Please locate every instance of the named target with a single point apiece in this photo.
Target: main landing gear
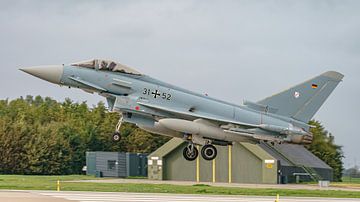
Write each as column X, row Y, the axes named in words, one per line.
column 116, row 137
column 190, row 152
column 208, row 152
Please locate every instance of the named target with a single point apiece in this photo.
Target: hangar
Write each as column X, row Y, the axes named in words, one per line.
column 239, row 163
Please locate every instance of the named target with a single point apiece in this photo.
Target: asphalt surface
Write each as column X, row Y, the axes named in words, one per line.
column 27, row 196
column 66, row 196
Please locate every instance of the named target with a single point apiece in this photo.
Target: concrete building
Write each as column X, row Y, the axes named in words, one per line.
column 239, row 163
column 116, row 164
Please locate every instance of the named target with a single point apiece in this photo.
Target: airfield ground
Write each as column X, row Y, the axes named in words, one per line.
column 67, row 196
column 91, row 184
column 343, row 186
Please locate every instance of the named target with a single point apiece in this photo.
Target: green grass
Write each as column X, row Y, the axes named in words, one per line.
column 34, row 182
column 23, row 182
column 351, row 180
column 347, row 183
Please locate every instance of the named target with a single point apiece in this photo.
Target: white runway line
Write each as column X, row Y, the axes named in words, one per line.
column 154, row 197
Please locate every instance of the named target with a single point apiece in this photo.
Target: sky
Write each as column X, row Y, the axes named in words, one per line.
column 231, row 50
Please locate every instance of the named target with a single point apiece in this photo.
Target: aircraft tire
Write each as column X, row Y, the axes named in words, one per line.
column 208, row 152
column 116, row 137
column 190, row 156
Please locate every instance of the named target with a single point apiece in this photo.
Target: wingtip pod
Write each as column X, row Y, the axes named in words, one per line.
column 337, row 76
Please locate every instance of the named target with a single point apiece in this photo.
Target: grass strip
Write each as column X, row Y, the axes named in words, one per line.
column 24, row 182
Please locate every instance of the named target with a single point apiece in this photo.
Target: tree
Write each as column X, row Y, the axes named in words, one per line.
column 324, row 147
column 353, row 172
column 42, row 136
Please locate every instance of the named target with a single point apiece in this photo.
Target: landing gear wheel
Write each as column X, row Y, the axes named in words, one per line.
column 190, row 152
column 116, row 137
column 208, row 152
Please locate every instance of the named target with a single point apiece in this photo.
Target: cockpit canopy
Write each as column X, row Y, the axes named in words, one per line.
column 106, row 65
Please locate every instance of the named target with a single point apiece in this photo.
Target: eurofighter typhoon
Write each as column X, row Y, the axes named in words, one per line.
column 165, row 109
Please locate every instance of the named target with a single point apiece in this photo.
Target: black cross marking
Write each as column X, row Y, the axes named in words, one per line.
column 156, row 93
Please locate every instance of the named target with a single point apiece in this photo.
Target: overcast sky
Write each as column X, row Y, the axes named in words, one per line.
column 232, row 50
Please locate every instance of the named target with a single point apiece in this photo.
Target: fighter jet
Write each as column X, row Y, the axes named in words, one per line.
column 165, row 109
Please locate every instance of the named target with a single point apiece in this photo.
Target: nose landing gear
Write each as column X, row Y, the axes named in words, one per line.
column 116, row 137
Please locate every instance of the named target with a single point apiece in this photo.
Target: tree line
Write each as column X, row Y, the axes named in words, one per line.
column 43, row 136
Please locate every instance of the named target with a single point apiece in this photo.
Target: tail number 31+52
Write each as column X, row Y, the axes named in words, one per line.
column 157, row 94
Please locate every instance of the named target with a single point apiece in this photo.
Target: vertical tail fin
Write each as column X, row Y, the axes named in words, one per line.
column 302, row 101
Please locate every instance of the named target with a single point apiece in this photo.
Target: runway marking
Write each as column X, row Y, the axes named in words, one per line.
column 154, row 197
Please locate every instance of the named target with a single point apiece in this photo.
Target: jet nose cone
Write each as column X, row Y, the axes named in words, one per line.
column 51, row 73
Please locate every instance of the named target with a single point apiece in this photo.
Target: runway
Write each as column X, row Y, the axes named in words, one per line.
column 66, row 196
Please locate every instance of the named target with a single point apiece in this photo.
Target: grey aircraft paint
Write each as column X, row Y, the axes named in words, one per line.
column 165, row 109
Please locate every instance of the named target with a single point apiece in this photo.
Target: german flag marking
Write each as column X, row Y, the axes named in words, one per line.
column 314, row 86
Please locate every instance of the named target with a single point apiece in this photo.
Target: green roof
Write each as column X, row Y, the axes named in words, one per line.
column 176, row 142
column 167, row 147
column 257, row 151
